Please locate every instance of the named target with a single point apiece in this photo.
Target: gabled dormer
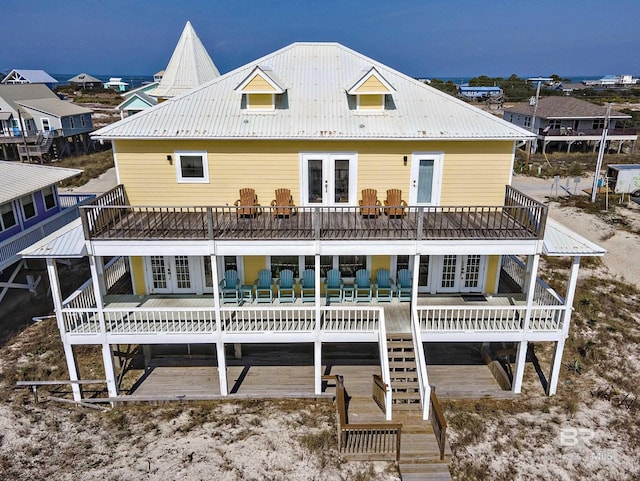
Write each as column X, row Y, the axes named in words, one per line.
column 260, row 90
column 370, row 91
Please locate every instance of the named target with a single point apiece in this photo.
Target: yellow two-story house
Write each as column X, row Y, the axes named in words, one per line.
column 315, row 196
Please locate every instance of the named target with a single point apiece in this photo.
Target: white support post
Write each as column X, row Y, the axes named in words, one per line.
column 222, row 368
column 556, row 364
column 414, row 281
column 100, row 271
column 97, row 292
column 56, row 294
column 109, row 370
column 316, row 265
column 317, row 365
column 521, row 358
column 527, row 285
column 530, row 280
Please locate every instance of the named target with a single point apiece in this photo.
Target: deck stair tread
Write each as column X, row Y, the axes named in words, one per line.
column 403, row 370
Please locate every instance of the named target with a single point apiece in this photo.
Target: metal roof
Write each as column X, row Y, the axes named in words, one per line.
column 30, row 76
column 83, row 78
column 14, row 93
column 66, row 242
column 562, row 241
column 315, row 106
column 55, row 107
column 18, row 179
column 190, row 66
column 565, row 108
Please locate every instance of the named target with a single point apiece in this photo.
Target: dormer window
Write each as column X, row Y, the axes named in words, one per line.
column 370, row 91
column 260, row 90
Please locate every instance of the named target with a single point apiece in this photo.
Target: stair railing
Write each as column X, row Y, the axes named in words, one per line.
column 384, row 365
column 371, row 441
column 379, row 392
column 438, row 422
column 421, row 364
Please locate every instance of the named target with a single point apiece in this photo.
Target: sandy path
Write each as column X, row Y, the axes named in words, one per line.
column 623, row 253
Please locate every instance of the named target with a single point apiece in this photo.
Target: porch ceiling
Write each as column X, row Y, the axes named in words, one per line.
column 562, row 241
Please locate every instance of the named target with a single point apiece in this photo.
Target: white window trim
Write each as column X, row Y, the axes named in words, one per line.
column 83, row 121
column 370, row 110
column 42, row 120
column 327, row 157
column 35, row 208
column 55, row 199
column 15, row 219
column 191, row 180
column 251, row 108
column 436, row 181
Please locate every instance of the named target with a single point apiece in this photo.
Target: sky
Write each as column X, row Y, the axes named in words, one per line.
column 421, row 38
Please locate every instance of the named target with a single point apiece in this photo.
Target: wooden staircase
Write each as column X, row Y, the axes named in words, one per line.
column 419, row 451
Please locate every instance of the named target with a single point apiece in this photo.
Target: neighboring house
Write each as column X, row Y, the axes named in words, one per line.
column 190, row 65
column 567, row 121
column 157, row 77
column 478, row 92
column 22, row 77
column 612, row 81
column 30, row 209
column 85, row 81
column 116, row 83
column 328, row 124
column 137, row 100
column 35, row 123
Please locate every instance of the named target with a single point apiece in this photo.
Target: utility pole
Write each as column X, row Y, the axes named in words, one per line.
column 535, row 110
column 603, row 142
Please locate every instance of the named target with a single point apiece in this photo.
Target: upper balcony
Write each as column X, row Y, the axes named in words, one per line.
column 109, row 217
column 568, row 133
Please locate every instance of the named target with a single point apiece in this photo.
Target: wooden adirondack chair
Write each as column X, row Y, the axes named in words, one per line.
column 247, row 203
column 308, row 286
column 264, row 286
column 363, row 288
column 286, row 291
column 394, row 205
column 404, row 282
column 384, row 285
column 369, row 204
column 283, row 205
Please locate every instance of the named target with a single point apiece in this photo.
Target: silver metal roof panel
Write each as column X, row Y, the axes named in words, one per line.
column 66, row 242
column 562, row 241
column 18, row 179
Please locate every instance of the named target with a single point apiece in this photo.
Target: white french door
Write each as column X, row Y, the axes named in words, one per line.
column 461, row 273
column 171, row 275
column 426, row 178
column 329, row 179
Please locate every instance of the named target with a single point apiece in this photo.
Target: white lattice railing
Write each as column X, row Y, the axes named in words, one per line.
column 350, row 318
column 84, row 297
column 421, row 366
column 114, row 270
column 498, row 319
column 384, row 364
column 543, row 294
column 160, row 320
column 81, row 321
column 274, row 319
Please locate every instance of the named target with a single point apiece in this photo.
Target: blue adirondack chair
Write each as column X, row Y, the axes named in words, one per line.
column 384, row 286
column 286, row 288
column 308, row 286
column 333, row 286
column 230, row 287
column 363, row 287
column 405, row 279
column 264, row 286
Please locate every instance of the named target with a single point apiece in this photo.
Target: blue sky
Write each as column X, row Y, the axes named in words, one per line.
column 422, row 38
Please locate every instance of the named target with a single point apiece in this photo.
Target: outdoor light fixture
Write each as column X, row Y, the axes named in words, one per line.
column 170, row 160
column 404, row 160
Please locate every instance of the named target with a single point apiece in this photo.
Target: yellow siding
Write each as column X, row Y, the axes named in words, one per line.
column 371, row 102
column 260, row 102
column 474, row 173
column 372, row 84
column 379, row 262
column 258, row 84
column 137, row 272
column 253, row 265
column 493, row 263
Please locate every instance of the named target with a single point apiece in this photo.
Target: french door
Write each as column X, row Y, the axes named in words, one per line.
column 329, row 179
column 170, row 274
column 461, row 273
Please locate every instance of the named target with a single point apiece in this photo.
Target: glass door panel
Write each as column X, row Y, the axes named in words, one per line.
column 425, row 181
column 341, row 181
column 159, row 274
column 473, row 273
column 449, row 274
column 315, row 181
